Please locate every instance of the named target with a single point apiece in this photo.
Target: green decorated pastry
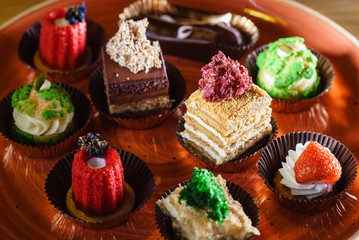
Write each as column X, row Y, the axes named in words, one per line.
column 203, row 192
column 287, row 70
column 43, row 112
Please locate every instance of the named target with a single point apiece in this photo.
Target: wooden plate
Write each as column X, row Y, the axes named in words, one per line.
column 26, row 213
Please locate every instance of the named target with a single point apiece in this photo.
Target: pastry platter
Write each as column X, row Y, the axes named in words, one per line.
column 26, row 213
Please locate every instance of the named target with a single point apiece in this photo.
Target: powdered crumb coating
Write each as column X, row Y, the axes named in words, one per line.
column 130, row 47
column 232, row 110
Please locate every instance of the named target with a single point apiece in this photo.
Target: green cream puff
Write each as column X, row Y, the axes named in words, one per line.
column 287, row 70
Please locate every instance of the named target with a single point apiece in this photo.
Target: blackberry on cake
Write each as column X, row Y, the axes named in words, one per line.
column 135, row 77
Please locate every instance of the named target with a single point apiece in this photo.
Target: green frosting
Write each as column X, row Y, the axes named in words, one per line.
column 203, row 192
column 287, row 70
column 57, row 98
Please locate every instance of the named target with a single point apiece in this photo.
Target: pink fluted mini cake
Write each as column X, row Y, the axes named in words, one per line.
column 98, row 189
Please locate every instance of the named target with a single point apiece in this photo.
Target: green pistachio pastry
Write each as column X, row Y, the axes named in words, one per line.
column 42, row 112
column 287, row 70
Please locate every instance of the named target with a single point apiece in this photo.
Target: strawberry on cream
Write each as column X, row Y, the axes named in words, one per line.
column 316, row 186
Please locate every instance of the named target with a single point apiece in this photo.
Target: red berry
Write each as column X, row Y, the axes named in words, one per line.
column 317, row 165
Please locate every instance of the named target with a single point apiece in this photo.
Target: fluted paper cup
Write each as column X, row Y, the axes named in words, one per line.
column 326, row 74
column 275, row 153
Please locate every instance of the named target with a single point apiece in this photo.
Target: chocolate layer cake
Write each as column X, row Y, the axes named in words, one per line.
column 135, row 76
column 141, row 94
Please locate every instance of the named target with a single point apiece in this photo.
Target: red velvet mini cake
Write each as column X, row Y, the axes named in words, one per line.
column 98, row 184
column 63, row 38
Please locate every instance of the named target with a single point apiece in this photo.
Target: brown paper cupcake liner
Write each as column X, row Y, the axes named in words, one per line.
column 164, row 222
column 187, row 48
column 29, row 44
column 136, row 173
column 242, row 162
column 326, row 74
column 83, row 113
column 275, row 153
column 177, row 92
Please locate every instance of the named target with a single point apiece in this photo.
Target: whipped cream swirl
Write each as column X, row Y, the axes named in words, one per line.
column 310, row 191
column 38, row 127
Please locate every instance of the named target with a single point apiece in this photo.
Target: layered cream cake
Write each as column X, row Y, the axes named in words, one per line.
column 134, row 72
column 228, row 113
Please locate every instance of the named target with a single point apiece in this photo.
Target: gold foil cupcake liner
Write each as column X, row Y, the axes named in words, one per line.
column 29, row 44
column 250, row 156
column 326, row 74
column 275, row 153
column 177, row 92
column 82, row 116
column 164, row 222
column 136, row 174
column 191, row 49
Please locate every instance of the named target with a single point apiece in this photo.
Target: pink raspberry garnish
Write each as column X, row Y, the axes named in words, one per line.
column 222, row 78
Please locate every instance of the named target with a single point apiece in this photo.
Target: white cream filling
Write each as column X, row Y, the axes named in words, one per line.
column 310, row 191
column 206, row 126
column 216, row 152
column 37, row 127
column 62, row 22
column 225, row 140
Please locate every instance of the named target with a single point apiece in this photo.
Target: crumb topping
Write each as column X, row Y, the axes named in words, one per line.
column 203, row 192
column 223, row 78
column 232, row 110
column 130, row 48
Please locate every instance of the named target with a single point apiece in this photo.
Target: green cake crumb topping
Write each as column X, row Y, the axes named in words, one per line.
column 54, row 104
column 203, row 192
column 287, row 69
column 21, row 94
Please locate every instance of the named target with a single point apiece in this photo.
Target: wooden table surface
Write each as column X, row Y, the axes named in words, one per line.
column 343, row 12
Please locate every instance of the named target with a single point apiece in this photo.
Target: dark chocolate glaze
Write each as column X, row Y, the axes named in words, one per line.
column 224, row 34
column 122, row 85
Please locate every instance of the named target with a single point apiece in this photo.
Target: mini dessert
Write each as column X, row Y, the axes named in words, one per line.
column 134, row 71
column 192, row 33
column 98, row 190
column 309, row 172
column 228, row 114
column 214, row 29
column 43, row 113
column 204, row 209
column 287, row 70
column 62, row 44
